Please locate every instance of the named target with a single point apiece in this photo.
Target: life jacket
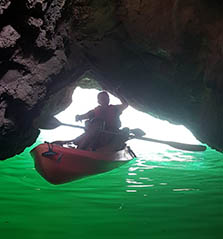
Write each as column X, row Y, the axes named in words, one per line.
column 110, row 116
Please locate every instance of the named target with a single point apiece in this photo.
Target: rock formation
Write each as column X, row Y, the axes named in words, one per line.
column 165, row 57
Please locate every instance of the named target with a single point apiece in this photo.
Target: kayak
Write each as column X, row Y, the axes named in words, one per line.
column 58, row 164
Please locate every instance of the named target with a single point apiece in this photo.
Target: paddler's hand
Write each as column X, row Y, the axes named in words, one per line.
column 78, row 118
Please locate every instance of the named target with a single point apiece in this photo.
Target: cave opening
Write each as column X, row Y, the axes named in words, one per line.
column 85, row 98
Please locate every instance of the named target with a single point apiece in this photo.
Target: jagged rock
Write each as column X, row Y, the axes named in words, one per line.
column 165, row 57
column 4, row 4
column 32, row 4
column 35, row 22
column 8, row 37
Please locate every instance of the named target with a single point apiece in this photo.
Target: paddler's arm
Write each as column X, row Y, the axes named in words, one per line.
column 88, row 115
column 124, row 102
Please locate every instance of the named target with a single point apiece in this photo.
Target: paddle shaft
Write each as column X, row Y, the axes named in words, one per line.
column 72, row 125
column 181, row 146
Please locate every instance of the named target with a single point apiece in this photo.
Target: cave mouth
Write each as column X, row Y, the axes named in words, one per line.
column 84, row 98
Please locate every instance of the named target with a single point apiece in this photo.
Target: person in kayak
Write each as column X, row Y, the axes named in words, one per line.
column 105, row 117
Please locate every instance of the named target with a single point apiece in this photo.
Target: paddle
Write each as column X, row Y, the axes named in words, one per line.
column 137, row 134
column 188, row 147
column 54, row 123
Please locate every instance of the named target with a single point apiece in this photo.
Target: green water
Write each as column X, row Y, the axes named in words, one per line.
column 161, row 194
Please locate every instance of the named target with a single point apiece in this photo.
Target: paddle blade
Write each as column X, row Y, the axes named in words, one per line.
column 51, row 123
column 188, row 147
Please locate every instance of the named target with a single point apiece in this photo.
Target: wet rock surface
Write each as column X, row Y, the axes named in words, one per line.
column 165, row 57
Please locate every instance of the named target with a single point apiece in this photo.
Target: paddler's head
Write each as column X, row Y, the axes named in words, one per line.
column 103, row 98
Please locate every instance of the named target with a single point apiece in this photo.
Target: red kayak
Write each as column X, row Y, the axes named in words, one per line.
column 59, row 164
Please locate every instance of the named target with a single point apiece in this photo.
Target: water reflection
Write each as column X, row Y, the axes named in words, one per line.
column 184, row 189
column 150, row 168
column 134, row 181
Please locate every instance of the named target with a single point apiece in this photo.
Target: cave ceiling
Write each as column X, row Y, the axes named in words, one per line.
column 164, row 57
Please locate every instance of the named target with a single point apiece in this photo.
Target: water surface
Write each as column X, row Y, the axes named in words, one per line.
column 161, row 194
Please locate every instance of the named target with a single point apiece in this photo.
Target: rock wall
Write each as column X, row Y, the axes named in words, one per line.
column 37, row 69
column 165, row 57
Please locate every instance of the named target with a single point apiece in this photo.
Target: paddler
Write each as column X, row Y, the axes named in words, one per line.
column 105, row 117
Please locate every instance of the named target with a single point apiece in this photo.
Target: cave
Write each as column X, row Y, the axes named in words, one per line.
column 164, row 57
